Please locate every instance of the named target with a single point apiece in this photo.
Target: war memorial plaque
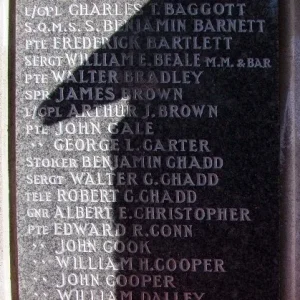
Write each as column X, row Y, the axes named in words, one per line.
column 147, row 147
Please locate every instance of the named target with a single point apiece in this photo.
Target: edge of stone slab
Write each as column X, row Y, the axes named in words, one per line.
column 5, row 281
column 289, row 27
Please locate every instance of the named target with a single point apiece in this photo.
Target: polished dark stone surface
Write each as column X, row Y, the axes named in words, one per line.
column 239, row 127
